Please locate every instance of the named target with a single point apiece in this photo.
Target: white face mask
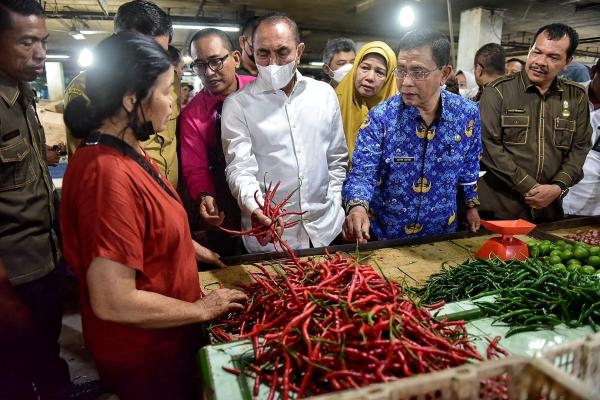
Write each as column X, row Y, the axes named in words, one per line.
column 276, row 76
column 468, row 93
column 341, row 72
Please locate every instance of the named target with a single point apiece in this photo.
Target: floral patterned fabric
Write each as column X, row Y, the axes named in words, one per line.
column 408, row 173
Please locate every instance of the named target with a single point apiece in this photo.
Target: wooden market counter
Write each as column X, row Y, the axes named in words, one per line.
column 399, row 260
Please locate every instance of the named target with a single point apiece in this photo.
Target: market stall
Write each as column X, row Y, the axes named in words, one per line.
column 408, row 263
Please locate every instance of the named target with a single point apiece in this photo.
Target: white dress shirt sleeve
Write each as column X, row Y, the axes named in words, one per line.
column 242, row 168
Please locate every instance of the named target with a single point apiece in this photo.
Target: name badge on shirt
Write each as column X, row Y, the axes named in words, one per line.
column 404, row 159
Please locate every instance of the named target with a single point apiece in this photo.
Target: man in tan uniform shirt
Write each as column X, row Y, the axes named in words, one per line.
column 536, row 133
column 139, row 16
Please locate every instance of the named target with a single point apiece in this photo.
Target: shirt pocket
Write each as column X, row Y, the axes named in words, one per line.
column 16, row 165
column 563, row 132
column 515, row 128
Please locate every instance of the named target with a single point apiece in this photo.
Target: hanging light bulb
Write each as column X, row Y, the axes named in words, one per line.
column 406, row 17
column 86, row 57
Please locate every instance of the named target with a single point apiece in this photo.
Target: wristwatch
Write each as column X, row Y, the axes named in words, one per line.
column 564, row 189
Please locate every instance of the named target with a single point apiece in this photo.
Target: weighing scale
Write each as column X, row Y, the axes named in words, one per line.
column 506, row 247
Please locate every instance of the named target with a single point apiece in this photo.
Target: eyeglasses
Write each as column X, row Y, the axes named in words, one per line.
column 216, row 64
column 415, row 75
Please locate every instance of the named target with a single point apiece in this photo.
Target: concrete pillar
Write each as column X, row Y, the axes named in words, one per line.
column 55, row 79
column 478, row 26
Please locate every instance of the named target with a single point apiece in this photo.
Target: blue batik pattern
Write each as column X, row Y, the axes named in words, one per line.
column 409, row 173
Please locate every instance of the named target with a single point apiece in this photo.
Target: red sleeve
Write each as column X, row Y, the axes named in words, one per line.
column 110, row 214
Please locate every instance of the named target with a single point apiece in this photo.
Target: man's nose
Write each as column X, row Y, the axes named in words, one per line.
column 39, row 51
column 209, row 72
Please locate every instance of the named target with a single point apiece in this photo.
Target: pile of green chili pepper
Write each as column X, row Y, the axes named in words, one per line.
column 529, row 295
column 471, row 278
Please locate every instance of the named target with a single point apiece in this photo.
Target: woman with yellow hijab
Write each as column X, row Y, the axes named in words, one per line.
column 370, row 81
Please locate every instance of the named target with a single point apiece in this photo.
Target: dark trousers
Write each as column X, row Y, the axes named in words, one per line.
column 30, row 363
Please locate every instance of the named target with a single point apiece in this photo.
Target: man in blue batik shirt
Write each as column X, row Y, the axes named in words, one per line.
column 414, row 152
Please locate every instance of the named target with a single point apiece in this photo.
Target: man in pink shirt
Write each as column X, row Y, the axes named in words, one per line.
column 202, row 159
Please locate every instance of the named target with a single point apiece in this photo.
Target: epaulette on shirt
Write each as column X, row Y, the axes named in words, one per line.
column 565, row 81
column 504, row 78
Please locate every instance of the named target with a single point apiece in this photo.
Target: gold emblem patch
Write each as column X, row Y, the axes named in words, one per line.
column 413, row 228
column 422, row 185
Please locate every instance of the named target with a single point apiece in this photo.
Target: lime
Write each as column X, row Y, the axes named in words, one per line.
column 555, row 252
column 559, row 267
column 567, row 247
column 555, row 259
column 573, row 267
column 573, row 261
column 582, row 244
column 594, row 251
column 560, row 243
column 588, row 270
column 566, row 255
column 534, row 251
column 545, row 249
column 580, row 253
column 594, row 261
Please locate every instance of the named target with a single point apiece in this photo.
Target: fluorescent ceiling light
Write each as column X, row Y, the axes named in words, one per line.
column 316, row 63
column 93, row 32
column 77, row 35
column 57, row 56
column 199, row 27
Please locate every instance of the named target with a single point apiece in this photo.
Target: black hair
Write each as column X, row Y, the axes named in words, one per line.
column 249, row 26
column 337, row 45
column 492, row 58
column 439, row 43
column 201, row 34
column 175, row 54
column 274, row 18
column 557, row 31
column 107, row 82
column 21, row 7
column 144, row 17
column 512, row 59
column 452, row 84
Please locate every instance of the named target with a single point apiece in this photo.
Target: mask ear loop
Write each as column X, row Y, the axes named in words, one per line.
column 143, row 131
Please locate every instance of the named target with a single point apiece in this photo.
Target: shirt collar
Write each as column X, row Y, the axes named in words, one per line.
column 445, row 113
column 259, row 87
column 555, row 86
column 9, row 91
column 219, row 97
column 444, row 101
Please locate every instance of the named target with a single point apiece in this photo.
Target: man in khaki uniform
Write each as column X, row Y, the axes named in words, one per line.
column 146, row 18
column 536, row 133
column 32, row 277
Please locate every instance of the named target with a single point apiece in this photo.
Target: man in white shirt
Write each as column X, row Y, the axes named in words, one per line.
column 285, row 127
column 584, row 197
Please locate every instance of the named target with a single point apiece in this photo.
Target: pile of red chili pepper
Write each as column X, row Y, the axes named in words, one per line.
column 275, row 212
column 331, row 323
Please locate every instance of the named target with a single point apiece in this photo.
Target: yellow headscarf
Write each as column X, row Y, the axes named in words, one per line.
column 353, row 107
